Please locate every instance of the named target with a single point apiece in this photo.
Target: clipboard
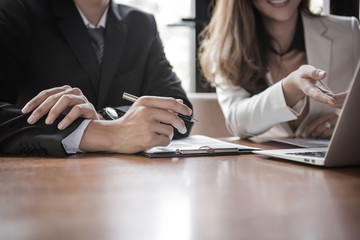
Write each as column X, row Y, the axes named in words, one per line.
column 196, row 146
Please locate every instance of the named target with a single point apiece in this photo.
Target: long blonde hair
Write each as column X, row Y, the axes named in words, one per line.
column 234, row 43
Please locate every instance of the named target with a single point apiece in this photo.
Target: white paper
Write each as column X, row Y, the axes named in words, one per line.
column 196, row 142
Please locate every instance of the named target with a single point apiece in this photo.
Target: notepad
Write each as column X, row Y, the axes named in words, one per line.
column 197, row 145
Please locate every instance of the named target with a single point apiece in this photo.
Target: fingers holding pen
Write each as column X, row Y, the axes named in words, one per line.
column 340, row 99
column 163, row 130
column 322, row 93
column 317, row 94
column 164, row 110
column 314, row 87
column 308, row 81
column 149, row 122
column 166, row 103
column 170, row 118
column 163, row 116
column 141, row 128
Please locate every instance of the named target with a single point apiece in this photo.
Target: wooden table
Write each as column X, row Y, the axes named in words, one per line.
column 114, row 196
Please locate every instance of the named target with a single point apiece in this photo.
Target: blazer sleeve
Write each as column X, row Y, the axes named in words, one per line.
column 247, row 115
column 14, row 32
column 16, row 136
column 160, row 80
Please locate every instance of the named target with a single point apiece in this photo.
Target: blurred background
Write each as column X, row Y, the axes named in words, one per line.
column 180, row 22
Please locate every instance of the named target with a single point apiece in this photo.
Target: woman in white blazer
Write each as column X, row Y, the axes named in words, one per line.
column 279, row 70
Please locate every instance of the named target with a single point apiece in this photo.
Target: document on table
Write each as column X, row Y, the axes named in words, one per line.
column 198, row 145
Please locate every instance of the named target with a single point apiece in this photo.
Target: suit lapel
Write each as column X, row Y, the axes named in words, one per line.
column 318, row 44
column 319, row 52
column 73, row 29
column 115, row 34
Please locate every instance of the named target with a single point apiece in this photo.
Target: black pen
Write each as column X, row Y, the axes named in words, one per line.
column 133, row 98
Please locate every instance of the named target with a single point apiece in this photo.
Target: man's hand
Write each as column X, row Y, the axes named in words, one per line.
column 149, row 122
column 55, row 101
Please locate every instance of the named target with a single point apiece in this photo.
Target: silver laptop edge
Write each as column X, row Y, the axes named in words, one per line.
column 342, row 150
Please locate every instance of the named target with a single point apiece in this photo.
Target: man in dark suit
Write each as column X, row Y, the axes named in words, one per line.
column 46, row 46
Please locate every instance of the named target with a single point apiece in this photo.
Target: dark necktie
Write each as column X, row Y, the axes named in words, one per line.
column 97, row 41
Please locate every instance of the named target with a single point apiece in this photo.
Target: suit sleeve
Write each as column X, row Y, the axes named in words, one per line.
column 16, row 136
column 14, row 32
column 160, row 78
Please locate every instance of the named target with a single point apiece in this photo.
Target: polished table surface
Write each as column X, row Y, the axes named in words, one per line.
column 115, row 196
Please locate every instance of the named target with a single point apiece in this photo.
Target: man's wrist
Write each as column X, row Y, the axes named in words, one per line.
column 71, row 143
column 96, row 137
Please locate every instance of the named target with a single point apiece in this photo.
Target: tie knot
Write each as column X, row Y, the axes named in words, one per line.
column 97, row 40
column 96, row 32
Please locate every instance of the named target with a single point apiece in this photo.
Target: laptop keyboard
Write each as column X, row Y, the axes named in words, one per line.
column 320, row 154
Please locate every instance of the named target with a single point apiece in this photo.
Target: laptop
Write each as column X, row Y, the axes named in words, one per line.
column 344, row 143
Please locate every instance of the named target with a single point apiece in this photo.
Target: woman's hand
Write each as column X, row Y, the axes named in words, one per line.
column 55, row 101
column 323, row 127
column 340, row 99
column 307, row 81
column 149, row 122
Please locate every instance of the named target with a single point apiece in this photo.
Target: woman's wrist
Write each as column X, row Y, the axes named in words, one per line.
column 292, row 93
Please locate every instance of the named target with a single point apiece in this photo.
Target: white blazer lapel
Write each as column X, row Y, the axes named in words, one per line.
column 318, row 45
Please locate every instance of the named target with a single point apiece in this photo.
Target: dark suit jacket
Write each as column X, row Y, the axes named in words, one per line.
column 45, row 44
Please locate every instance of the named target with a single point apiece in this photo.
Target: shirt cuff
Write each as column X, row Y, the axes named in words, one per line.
column 299, row 107
column 72, row 142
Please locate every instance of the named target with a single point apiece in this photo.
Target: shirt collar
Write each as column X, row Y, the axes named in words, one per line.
column 102, row 22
